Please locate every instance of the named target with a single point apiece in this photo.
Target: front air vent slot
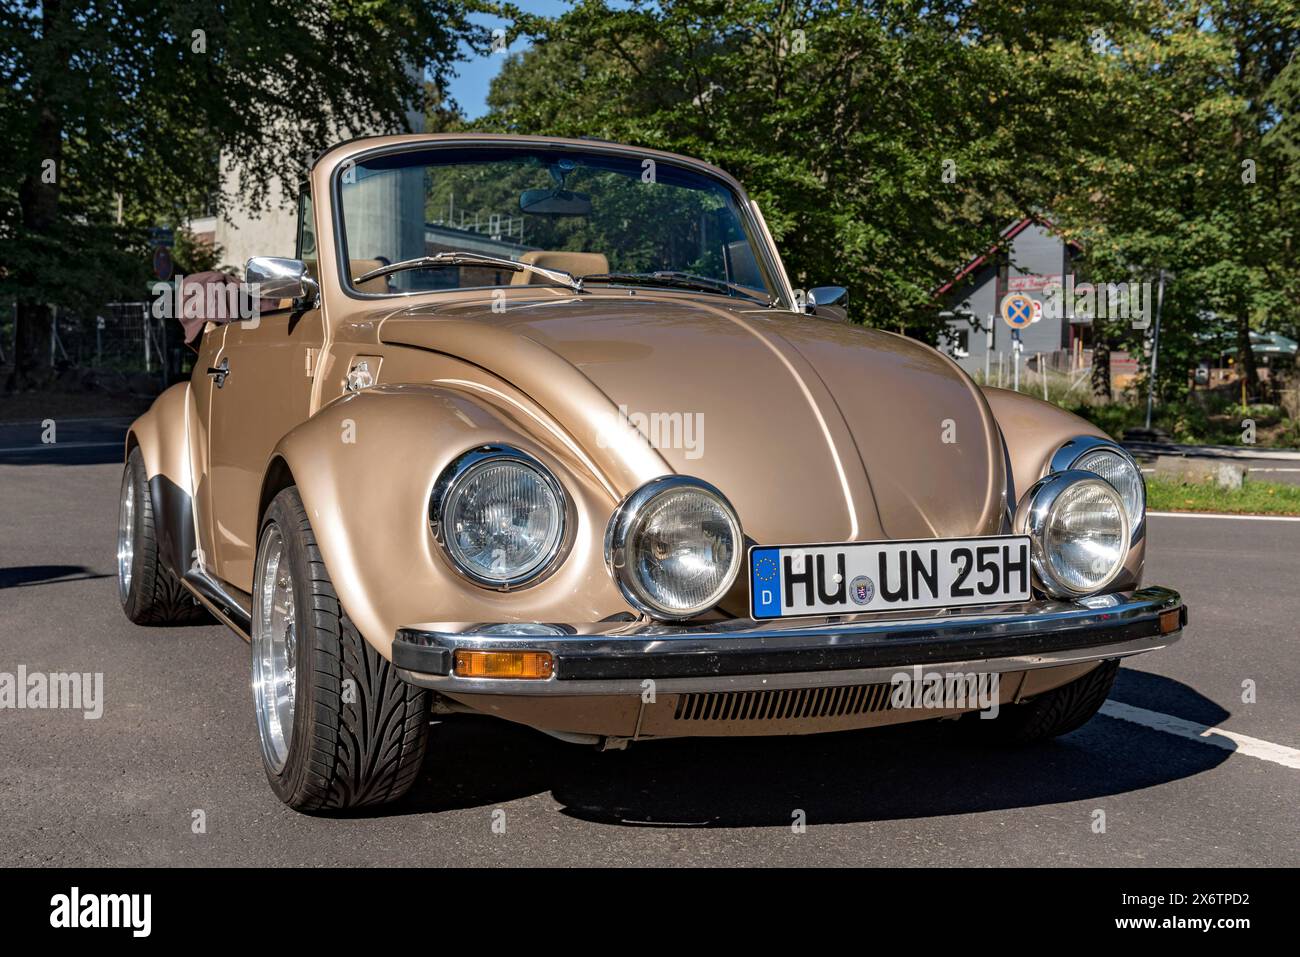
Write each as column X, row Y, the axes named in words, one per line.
column 786, row 704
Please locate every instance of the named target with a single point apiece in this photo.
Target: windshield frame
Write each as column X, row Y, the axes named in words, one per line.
column 755, row 231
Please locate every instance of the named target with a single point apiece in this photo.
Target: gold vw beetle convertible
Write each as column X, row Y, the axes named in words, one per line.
column 540, row 429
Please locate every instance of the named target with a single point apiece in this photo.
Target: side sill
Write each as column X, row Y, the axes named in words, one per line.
column 232, row 606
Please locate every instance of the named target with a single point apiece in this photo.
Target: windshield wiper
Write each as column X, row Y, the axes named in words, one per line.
column 457, row 258
column 676, row 280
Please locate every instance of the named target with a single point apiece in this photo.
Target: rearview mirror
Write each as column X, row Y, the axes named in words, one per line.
column 555, row 202
column 275, row 278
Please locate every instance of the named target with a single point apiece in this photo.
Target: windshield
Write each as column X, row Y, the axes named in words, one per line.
column 616, row 219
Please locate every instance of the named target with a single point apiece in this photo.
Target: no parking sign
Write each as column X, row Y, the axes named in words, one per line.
column 1017, row 310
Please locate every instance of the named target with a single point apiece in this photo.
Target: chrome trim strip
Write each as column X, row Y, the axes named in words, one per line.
column 775, row 682
column 630, row 645
column 230, row 604
column 1010, row 500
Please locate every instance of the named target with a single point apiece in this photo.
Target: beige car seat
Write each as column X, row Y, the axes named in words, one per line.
column 578, row 264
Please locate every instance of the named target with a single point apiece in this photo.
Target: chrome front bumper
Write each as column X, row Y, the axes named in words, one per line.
column 618, row 657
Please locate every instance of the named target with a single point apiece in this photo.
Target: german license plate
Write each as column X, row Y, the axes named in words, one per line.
column 790, row 580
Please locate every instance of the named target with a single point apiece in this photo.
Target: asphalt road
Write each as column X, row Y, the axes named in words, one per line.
column 177, row 737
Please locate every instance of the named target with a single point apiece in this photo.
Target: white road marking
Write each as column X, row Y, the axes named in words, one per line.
column 1218, row 737
column 1244, row 518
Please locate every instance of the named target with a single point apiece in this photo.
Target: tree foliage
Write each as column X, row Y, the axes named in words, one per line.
column 1194, row 174
column 117, row 113
column 889, row 141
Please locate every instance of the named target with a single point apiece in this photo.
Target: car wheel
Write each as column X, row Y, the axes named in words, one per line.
column 1056, row 712
column 150, row 594
column 339, row 729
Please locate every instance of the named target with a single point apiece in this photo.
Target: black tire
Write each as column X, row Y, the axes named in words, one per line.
column 1056, row 712
column 348, row 747
column 150, row 593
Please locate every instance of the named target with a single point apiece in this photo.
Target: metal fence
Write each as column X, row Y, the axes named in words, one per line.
column 125, row 337
column 121, row 337
column 1060, row 376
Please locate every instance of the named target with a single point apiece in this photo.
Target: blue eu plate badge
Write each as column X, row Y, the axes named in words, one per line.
column 765, row 581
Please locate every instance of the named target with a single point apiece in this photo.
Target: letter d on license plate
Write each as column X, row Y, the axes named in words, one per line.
column 789, row 580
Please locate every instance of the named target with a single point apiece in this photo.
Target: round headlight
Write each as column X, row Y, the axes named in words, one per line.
column 674, row 547
column 1091, row 454
column 499, row 514
column 1080, row 532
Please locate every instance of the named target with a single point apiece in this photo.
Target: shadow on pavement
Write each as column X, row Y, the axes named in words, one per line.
column 923, row 770
column 20, row 576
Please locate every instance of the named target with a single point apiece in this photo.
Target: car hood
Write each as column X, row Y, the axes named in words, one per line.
column 817, row 431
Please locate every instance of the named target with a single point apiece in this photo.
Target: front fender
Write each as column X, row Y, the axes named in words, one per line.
column 162, row 436
column 365, row 467
column 1033, row 429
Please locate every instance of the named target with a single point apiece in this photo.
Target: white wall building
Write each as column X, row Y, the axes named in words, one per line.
column 243, row 233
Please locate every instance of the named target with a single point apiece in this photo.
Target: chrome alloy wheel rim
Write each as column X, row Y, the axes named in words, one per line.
column 125, row 536
column 275, row 641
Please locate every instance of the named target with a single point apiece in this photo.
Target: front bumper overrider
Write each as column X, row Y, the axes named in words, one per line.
column 610, row 658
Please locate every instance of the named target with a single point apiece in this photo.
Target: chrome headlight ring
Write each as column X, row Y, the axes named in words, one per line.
column 1037, row 515
column 628, row 522
column 1070, row 454
column 464, row 468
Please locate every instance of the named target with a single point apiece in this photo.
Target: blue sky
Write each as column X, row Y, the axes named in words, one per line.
column 470, row 86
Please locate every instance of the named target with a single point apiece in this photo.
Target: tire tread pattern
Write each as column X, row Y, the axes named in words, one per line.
column 1062, row 709
column 367, row 749
column 157, row 597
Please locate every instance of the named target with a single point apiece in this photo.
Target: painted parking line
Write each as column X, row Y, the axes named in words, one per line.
column 1240, row 518
column 1217, row 737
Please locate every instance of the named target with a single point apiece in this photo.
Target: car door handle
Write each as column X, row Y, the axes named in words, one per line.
column 219, row 372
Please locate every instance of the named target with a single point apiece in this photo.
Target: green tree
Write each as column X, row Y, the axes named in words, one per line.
column 192, row 255
column 115, row 113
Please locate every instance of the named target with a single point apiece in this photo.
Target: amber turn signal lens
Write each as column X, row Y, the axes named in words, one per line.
column 1170, row 620
column 503, row 664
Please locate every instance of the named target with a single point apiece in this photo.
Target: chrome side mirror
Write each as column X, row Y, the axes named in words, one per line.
column 275, row 278
column 829, row 302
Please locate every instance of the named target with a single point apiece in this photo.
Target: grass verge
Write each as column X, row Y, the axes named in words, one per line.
column 1253, row 498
